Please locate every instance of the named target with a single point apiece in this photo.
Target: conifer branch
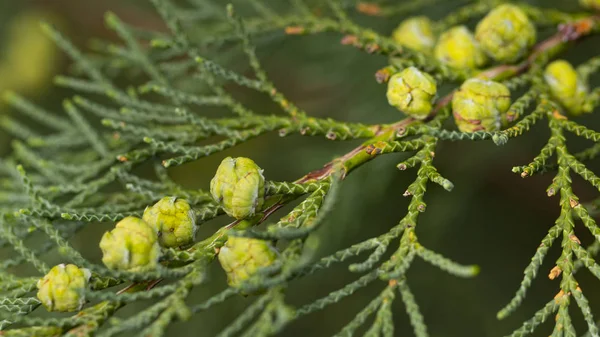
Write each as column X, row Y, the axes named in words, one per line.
column 80, row 174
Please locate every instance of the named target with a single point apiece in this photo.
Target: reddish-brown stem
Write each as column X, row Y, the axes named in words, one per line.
column 358, row 156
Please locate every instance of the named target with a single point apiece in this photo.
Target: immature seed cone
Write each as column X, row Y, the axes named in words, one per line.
column 479, row 105
column 412, row 91
column 567, row 86
column 415, row 33
column 591, row 4
column 29, row 59
column 505, row 33
column 240, row 258
column 132, row 245
column 458, row 48
column 60, row 289
column 173, row 220
column 239, row 186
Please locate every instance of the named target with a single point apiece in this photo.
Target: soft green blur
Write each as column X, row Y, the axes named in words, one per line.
column 492, row 218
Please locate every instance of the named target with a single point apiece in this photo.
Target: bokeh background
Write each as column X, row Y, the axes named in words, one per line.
column 492, row 218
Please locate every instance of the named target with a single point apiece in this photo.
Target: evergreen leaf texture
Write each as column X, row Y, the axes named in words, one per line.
column 85, row 170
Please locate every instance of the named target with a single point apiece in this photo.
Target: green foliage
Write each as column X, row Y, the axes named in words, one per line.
column 80, row 174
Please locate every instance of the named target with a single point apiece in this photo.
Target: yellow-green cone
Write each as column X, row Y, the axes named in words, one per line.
column 60, row 289
column 567, row 86
column 479, row 105
column 415, row 33
column 412, row 91
column 239, row 186
column 590, row 4
column 132, row 245
column 458, row 48
column 506, row 33
column 241, row 257
column 173, row 220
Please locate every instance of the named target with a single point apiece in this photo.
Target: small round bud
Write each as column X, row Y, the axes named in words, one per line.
column 415, row 33
column 458, row 48
column 479, row 105
column 173, row 220
column 240, row 258
column 505, row 33
column 590, row 4
column 412, row 91
column 132, row 245
column 60, row 289
column 239, row 186
column 566, row 86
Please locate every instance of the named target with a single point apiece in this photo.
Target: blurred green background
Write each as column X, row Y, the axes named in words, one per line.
column 492, row 218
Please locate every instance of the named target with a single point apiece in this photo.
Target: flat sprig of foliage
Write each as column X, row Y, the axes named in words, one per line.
column 55, row 185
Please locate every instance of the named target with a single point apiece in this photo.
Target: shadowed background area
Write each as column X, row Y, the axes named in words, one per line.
column 492, row 218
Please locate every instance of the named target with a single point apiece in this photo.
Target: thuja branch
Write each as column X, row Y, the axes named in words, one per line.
column 154, row 237
column 544, row 51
